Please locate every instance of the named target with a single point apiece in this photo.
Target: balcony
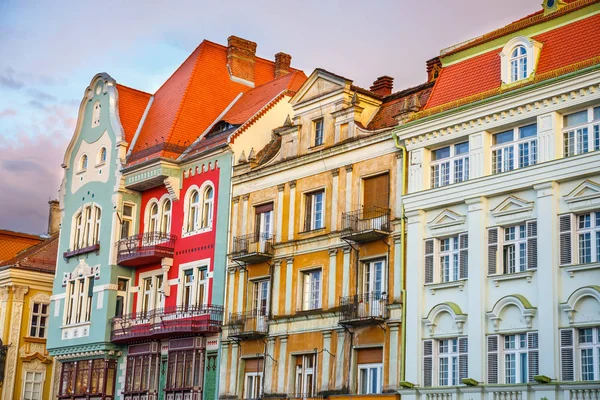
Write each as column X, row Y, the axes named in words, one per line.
column 248, row 325
column 82, row 250
column 363, row 309
column 366, row 225
column 166, row 323
column 145, row 248
column 252, row 248
column 292, row 396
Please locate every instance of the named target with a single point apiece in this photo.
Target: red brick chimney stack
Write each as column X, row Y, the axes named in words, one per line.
column 282, row 64
column 433, row 68
column 383, row 86
column 241, row 57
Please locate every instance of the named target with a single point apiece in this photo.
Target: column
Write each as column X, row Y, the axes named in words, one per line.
column 282, row 360
column 4, row 293
column 346, row 272
column 476, row 307
column 223, row 367
column 399, row 180
column 18, row 296
column 549, row 143
column 414, row 281
column 339, row 359
column 398, row 283
column 275, row 283
column 233, row 370
column 348, row 188
column 279, row 209
column 230, row 290
column 393, row 353
column 244, row 215
column 292, row 210
column 289, row 270
column 332, row 277
column 269, row 365
column 234, row 220
column 335, row 193
column 326, row 359
column 166, row 264
column 241, row 284
column 547, row 278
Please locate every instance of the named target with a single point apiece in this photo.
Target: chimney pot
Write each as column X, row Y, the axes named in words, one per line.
column 383, row 86
column 282, row 64
column 53, row 217
column 241, row 57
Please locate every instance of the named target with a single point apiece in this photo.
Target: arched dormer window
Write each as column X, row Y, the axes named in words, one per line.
column 518, row 59
column 518, row 64
column 102, row 156
column 207, row 209
column 194, row 211
column 83, row 162
column 153, row 218
column 166, row 216
column 86, row 226
column 96, row 114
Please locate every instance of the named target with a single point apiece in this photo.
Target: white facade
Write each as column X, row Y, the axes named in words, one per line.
column 505, row 289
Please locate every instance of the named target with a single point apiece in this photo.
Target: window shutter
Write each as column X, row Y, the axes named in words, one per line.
column 376, row 192
column 531, row 244
column 463, row 359
column 565, row 224
column 567, row 355
column 492, row 251
column 463, row 257
column 429, row 262
column 533, row 355
column 307, row 211
column 428, row 363
column 492, row 359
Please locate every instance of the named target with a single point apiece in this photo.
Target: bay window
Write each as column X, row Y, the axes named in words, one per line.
column 447, row 259
column 450, row 164
column 515, row 148
column 449, row 357
column 513, row 358
column 581, row 132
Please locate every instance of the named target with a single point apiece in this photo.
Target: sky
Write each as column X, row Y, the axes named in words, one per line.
column 49, row 52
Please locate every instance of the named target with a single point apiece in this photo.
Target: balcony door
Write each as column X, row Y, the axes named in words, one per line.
column 373, row 288
column 264, row 226
column 305, row 375
column 376, row 199
column 261, row 304
column 152, row 295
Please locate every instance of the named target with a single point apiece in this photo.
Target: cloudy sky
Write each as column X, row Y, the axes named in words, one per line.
column 49, row 51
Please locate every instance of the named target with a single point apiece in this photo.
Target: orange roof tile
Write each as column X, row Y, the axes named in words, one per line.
column 12, row 243
column 40, row 257
column 394, row 105
column 132, row 104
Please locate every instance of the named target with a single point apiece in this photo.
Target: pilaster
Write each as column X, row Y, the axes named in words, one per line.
column 348, row 188
column 399, row 180
column 234, row 220
column 223, row 368
column 230, row 290
column 240, row 291
column 393, row 369
column 335, row 191
column 331, row 273
column 233, row 370
column 166, row 264
column 346, row 272
column 292, row 203
column 476, row 155
column 18, row 297
column 415, row 171
column 289, row 268
column 244, row 215
column 398, row 283
column 339, row 359
column 279, row 210
column 276, row 282
column 281, row 364
column 326, row 360
column 269, row 365
column 548, row 137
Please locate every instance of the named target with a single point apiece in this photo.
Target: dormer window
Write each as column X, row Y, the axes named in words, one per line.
column 518, row 64
column 518, row 59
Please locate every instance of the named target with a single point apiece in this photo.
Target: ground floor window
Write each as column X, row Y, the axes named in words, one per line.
column 142, row 373
column 370, row 370
column 87, row 377
column 33, row 385
column 185, row 365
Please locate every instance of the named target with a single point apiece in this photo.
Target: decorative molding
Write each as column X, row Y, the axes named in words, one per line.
column 572, row 269
column 447, row 222
column 569, row 307
column 512, row 210
column 517, row 300
column 450, row 308
column 527, row 275
column 584, row 197
column 173, row 185
column 433, row 287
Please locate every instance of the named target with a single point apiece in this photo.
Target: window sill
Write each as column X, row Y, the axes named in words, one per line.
column 460, row 284
column 31, row 339
column 196, row 232
column 528, row 275
column 572, row 269
column 102, row 164
column 317, row 147
column 83, row 250
column 81, row 171
column 76, row 325
column 312, row 231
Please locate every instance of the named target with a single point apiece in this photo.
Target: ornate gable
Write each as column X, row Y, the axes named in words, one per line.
column 513, row 209
column 446, row 223
column 586, row 196
column 318, row 84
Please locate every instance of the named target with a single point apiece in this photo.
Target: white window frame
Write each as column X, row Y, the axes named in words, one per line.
column 371, row 368
column 313, row 209
column 573, row 137
column 258, row 296
column 198, row 215
column 449, row 167
column 593, row 230
column 165, row 224
column 518, row 63
column 102, row 156
column 319, row 134
column 593, row 347
column 449, row 249
column 124, row 294
column 153, row 217
column 127, row 218
column 532, row 49
column 255, row 392
column 207, row 207
column 302, row 373
column 520, row 349
column 512, row 240
column 196, row 282
column 39, row 316
column 194, row 211
column 24, row 394
column 96, row 114
column 78, row 303
column 86, row 224
column 310, row 292
column 155, row 294
column 516, row 148
column 449, row 353
column 369, row 269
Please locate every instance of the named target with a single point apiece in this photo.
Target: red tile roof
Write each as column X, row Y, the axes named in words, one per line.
column 11, row 243
column 563, row 47
column 41, row 257
column 132, row 104
column 396, row 104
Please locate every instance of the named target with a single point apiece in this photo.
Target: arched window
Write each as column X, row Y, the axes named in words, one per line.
column 166, row 216
column 194, row 211
column 102, row 156
column 78, row 231
column 153, row 218
column 83, row 162
column 87, row 227
column 207, row 209
column 96, row 114
column 518, row 63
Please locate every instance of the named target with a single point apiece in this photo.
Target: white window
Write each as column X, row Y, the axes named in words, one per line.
column 207, row 209
column 516, row 148
column 579, row 238
column 194, row 287
column 450, row 164
column 101, row 156
column 153, row 218
column 261, row 298
column 305, row 375
column 518, row 59
column 314, row 217
column 374, row 283
column 318, row 127
column 581, row 132
column 515, row 358
column 445, row 361
column 512, row 249
column 83, row 163
column 518, row 63
column 33, row 385
column 87, row 227
column 39, row 320
column 166, row 216
column 370, row 378
column 152, row 293
column 121, row 306
column 512, row 359
column 200, row 209
column 589, row 353
column 188, row 288
column 96, row 114
column 194, row 211
column 253, row 385
column 126, row 221
column 448, row 362
column 447, row 259
column 311, row 294
column 78, row 306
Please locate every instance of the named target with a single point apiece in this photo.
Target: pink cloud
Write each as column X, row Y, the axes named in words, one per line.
column 8, row 112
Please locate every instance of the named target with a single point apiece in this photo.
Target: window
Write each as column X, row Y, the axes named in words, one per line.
column 518, row 64
column 184, row 369
column 77, row 379
column 376, row 192
column 516, row 148
column 447, row 259
column 318, row 127
column 152, row 293
column 87, row 227
column 252, row 388
column 79, row 300
column 153, row 220
column 96, row 114
column 450, row 164
column 445, row 361
column 263, row 226
column 518, row 248
column 579, row 238
column 126, row 221
column 194, row 214
column 83, row 163
column 589, row 353
column 39, row 320
column 166, row 217
column 314, row 215
column 311, row 294
column 260, row 303
column 142, row 371
column 370, row 370
column 372, row 301
column 200, row 209
column 194, row 287
column 122, row 297
column 581, row 132
column 512, row 359
column 305, row 375
column 102, row 156
column 207, row 210
column 33, row 385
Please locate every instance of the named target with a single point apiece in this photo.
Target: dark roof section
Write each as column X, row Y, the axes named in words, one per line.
column 40, row 258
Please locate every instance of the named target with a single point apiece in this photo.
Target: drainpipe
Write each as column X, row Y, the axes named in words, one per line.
column 403, row 259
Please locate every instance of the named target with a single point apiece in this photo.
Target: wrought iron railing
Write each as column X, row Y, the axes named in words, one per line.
column 294, row 396
column 367, row 219
column 367, row 306
column 254, row 243
column 248, row 323
column 163, row 321
column 145, row 244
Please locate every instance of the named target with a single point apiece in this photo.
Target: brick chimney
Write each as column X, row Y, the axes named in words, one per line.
column 53, row 217
column 282, row 64
column 383, row 86
column 241, row 57
column 433, row 68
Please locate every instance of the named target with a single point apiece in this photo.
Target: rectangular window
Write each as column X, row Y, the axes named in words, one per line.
column 370, row 370
column 142, row 373
column 305, row 382
column 314, row 217
column 33, row 385
column 589, row 353
column 448, row 362
column 447, row 259
column 318, row 127
column 122, row 297
column 516, row 148
column 515, row 249
column 449, row 255
column 183, row 370
column 78, row 305
column 39, row 320
column 75, row 378
column 515, row 358
column 588, row 237
column 127, row 221
column 581, row 132
column 450, row 164
column 263, row 228
column 311, row 294
column 376, row 193
column 253, row 385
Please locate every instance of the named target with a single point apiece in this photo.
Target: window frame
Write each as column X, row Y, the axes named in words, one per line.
column 318, row 134
column 592, row 132
column 83, row 163
column 452, row 253
column 33, row 382
column 86, row 226
column 594, row 346
column 516, row 148
column 518, row 352
column 452, row 166
column 199, row 214
column 77, row 303
column 519, row 244
column 311, row 296
column 129, row 219
column 40, row 314
column 102, row 156
column 520, row 61
column 87, row 365
column 369, row 368
column 301, row 372
column 195, row 284
column 452, row 359
column 256, row 385
column 310, row 210
column 433, row 259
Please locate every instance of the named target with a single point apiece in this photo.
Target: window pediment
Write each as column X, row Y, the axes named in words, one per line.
column 586, row 196
column 446, row 223
column 511, row 210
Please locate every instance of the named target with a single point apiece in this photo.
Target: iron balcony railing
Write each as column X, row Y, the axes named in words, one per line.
column 145, row 245
column 258, row 243
column 164, row 322
column 366, row 219
column 363, row 307
column 290, row 396
column 248, row 324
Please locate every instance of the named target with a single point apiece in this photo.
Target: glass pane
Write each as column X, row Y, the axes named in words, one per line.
column 364, row 381
column 461, row 148
column 597, row 113
column 528, row 131
column 575, row 118
column 504, row 137
column 444, row 152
